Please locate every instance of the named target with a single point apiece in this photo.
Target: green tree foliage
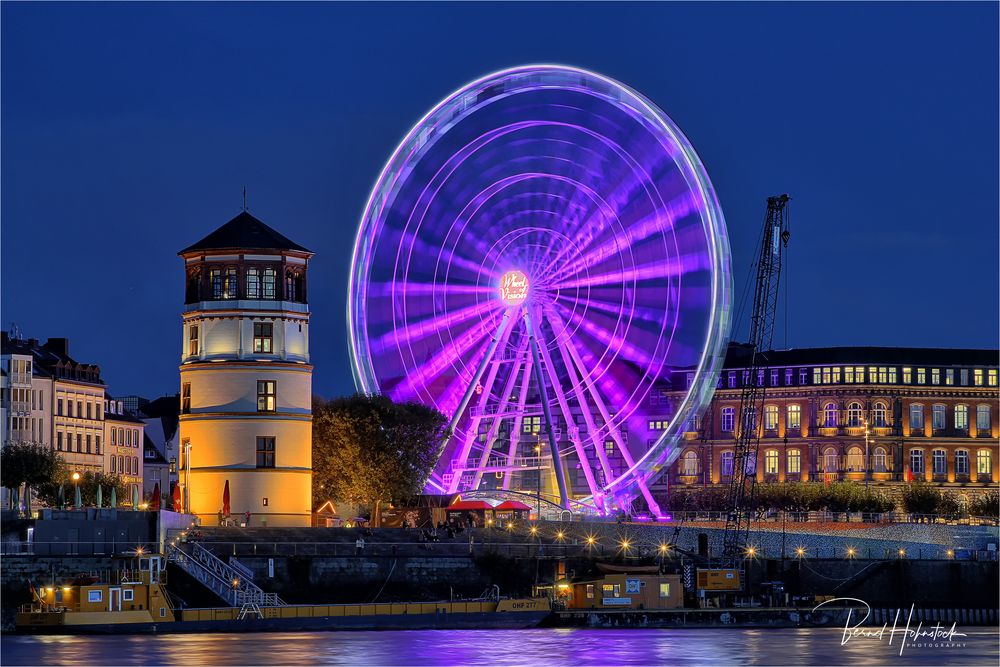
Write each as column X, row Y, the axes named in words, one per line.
column 89, row 481
column 921, row 498
column 986, row 505
column 369, row 449
column 30, row 464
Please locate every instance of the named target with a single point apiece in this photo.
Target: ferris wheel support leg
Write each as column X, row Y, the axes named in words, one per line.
column 547, row 411
column 464, row 403
column 522, row 400
column 495, row 421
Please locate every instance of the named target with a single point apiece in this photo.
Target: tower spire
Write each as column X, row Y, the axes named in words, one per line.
column 244, row 197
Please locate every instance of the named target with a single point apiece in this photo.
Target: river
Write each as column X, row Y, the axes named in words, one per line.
column 676, row 648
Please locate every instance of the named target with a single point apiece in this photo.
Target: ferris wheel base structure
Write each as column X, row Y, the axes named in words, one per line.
column 539, row 259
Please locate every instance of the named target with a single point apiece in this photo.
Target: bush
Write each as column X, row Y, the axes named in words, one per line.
column 986, row 505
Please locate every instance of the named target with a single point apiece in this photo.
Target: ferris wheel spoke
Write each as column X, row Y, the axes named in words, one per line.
column 428, row 327
column 571, row 430
column 485, row 391
column 516, row 431
column 656, row 269
column 613, row 342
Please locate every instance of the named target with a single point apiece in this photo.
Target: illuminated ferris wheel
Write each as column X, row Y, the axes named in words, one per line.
column 541, row 253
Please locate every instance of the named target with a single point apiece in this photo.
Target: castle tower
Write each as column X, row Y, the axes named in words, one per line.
column 246, row 380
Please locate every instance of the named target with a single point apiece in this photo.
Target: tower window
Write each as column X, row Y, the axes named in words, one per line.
column 290, row 286
column 265, row 452
column 215, row 278
column 193, row 347
column 263, row 337
column 266, row 395
column 186, row 398
column 253, row 283
column 229, row 289
column 270, row 278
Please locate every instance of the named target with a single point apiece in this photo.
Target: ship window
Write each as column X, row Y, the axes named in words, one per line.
column 128, row 595
column 163, row 612
column 95, row 596
column 590, row 591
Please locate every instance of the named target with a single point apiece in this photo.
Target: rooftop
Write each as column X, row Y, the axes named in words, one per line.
column 244, row 232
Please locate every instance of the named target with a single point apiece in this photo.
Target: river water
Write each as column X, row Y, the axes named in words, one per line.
column 676, row 648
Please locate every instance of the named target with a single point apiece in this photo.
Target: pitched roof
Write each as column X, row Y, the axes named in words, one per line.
column 244, row 232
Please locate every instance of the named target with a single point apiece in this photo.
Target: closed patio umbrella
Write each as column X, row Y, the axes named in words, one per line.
column 78, row 499
column 114, row 497
column 135, row 497
column 176, row 498
column 61, row 496
column 154, row 501
column 100, row 496
column 226, row 510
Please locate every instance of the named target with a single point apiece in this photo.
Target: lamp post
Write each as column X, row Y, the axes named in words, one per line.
column 538, row 479
column 76, row 489
column 868, row 463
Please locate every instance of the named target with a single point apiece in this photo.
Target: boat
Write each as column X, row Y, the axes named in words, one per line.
column 136, row 600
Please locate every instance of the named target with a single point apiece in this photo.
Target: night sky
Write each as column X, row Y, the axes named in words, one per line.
column 130, row 130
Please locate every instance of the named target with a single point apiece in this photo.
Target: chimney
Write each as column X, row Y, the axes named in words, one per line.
column 58, row 345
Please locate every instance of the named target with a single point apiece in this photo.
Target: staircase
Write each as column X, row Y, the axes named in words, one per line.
column 229, row 583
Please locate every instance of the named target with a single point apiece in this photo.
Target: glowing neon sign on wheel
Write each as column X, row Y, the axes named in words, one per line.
column 539, row 256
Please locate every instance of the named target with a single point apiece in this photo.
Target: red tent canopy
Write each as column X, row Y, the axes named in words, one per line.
column 154, row 501
column 470, row 505
column 511, row 505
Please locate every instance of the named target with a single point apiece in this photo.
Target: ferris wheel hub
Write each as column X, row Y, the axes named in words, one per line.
column 514, row 288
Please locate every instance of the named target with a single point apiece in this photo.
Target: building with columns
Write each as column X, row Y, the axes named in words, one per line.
column 888, row 415
column 246, row 380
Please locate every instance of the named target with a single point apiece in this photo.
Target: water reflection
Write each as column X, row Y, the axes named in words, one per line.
column 674, row 647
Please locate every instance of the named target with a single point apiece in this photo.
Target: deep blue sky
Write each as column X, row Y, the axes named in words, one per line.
column 129, row 131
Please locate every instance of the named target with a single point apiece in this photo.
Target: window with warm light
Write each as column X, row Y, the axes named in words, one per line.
column 664, row 590
column 984, row 462
column 854, row 414
column 991, row 376
column 266, row 395
column 771, row 462
column 793, row 462
column 977, row 377
column 879, row 459
column 770, row 417
column 949, row 376
column 921, row 376
column 690, row 463
column 962, row 417
column 263, row 337
column 849, row 375
column 590, row 591
column 880, row 413
column 193, row 347
column 907, row 375
column 855, row 459
column 794, row 417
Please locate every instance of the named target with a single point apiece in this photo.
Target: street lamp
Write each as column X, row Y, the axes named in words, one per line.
column 868, row 464
column 538, row 479
column 76, row 489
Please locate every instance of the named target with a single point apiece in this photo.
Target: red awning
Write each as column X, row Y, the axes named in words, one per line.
column 511, row 505
column 470, row 505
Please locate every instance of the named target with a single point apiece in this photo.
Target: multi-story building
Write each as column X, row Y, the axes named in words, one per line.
column 246, row 380
column 161, row 452
column 123, row 437
column 878, row 414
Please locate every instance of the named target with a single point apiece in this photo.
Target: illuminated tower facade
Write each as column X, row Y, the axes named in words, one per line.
column 246, row 380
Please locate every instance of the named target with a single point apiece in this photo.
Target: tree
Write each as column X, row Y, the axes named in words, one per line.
column 88, row 483
column 369, row 449
column 28, row 464
column 921, row 498
column 986, row 505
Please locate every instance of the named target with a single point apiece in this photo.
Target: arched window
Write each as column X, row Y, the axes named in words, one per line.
column 728, row 417
column 690, row 463
column 939, row 461
column 917, row 416
column 794, row 417
column 961, row 462
column 878, row 460
column 983, row 419
column 830, row 415
column 855, row 459
column 854, row 414
column 793, row 462
column 880, row 415
column 726, row 464
column 984, row 462
column 770, row 417
column 830, row 462
column 771, row 461
column 962, row 417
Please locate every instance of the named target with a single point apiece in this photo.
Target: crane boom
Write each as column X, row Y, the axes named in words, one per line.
column 741, row 487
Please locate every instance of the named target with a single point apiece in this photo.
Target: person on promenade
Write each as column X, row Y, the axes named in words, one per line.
column 359, row 546
column 246, row 517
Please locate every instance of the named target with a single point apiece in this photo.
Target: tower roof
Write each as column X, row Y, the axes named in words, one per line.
column 244, row 232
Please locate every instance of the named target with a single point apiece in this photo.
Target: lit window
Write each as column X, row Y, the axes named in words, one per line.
column 907, row 375
column 983, row 421
column 938, row 417
column 771, row 417
column 794, row 417
column 880, row 415
column 826, row 376
column 830, row 460
column 836, row 375
column 892, row 375
column 95, row 596
column 962, row 417
column 215, row 279
column 746, row 379
column 921, row 376
column 690, row 464
column 263, row 337
column 270, row 283
column 917, row 461
column 949, row 376
column 665, row 590
column 726, row 464
column 609, row 447
column 883, row 374
column 193, row 348
column 774, row 378
column 977, row 377
column 859, row 374
column 590, row 591
column 185, row 399
column 854, row 412
column 253, row 283
column 793, row 461
column 879, row 459
column 229, row 290
column 830, row 415
column 532, row 425
column 992, row 377
column 916, row 416
column 760, row 378
column 855, row 459
column 173, row 464
column 817, row 375
column 728, row 417
column 849, row 374
column 788, row 377
column 266, row 395
column 939, row 460
column 265, row 452
column 771, row 462
column 984, row 462
column 961, row 462
column 935, row 376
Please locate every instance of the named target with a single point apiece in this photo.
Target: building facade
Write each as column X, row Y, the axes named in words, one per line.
column 887, row 416
column 123, row 438
column 246, row 380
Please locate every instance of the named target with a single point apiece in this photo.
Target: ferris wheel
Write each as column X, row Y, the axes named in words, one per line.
column 542, row 255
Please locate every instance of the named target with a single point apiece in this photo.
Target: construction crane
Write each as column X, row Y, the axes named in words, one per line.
column 774, row 240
